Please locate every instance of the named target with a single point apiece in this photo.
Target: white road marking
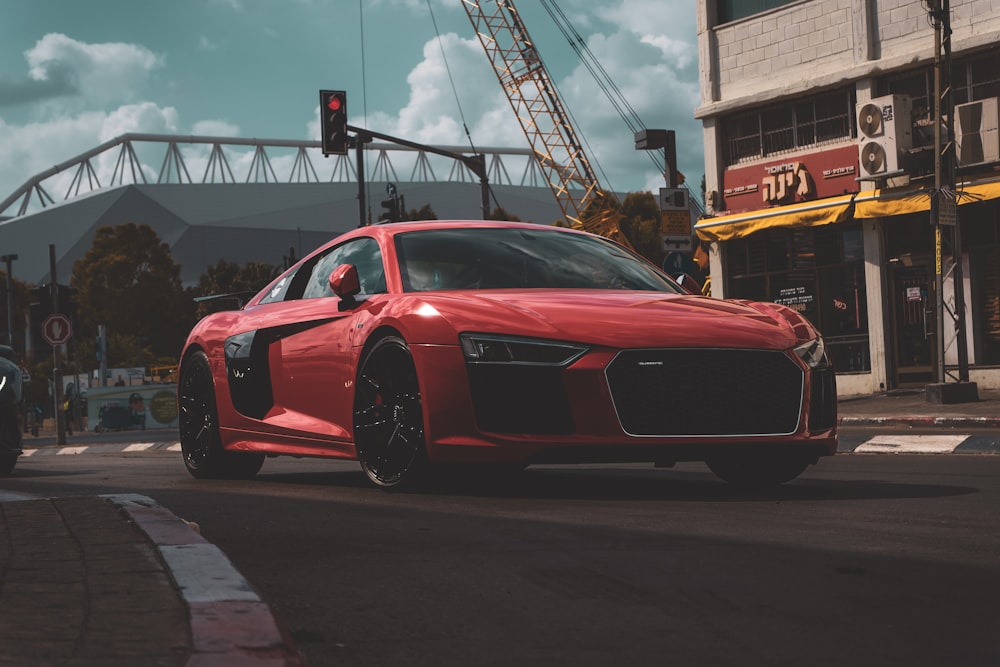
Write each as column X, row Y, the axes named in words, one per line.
column 71, row 451
column 912, row 444
column 139, row 446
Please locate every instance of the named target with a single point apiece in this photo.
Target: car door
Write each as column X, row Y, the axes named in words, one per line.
column 310, row 358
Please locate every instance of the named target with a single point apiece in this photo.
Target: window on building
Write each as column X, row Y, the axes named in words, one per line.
column 732, row 10
column 972, row 79
column 784, row 128
column 816, row 271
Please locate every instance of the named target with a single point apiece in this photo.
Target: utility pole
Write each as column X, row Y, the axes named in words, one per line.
column 10, row 300
column 57, row 377
column 944, row 217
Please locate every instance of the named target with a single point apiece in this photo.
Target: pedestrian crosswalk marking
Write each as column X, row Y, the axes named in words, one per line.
column 72, row 451
column 139, row 446
column 915, row 444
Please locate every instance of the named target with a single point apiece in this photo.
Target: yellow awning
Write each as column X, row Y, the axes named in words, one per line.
column 808, row 214
column 971, row 194
column 879, row 203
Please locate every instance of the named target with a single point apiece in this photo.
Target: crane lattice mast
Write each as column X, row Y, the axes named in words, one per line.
column 536, row 104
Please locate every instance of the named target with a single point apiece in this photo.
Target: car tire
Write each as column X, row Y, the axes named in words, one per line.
column 7, row 463
column 755, row 472
column 201, row 444
column 388, row 416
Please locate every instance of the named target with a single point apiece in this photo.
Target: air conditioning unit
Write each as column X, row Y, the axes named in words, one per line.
column 976, row 138
column 885, row 133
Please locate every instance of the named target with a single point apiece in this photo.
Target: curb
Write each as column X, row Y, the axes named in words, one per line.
column 952, row 422
column 230, row 624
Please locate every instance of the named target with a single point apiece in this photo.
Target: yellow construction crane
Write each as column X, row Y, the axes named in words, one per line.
column 535, row 102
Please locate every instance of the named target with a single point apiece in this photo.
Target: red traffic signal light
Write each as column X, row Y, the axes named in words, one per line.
column 333, row 121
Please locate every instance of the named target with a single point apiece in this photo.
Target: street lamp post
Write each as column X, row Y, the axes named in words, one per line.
column 8, row 259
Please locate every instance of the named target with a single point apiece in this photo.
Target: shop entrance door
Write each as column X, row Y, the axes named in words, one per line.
column 914, row 325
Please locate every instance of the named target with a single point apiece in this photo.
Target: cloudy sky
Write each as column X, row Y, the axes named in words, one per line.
column 74, row 74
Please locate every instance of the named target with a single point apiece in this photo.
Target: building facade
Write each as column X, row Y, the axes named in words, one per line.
column 819, row 124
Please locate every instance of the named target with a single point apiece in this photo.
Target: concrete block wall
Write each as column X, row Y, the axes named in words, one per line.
column 815, row 44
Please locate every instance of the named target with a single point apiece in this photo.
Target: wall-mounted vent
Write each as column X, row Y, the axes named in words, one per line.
column 885, row 132
column 976, row 138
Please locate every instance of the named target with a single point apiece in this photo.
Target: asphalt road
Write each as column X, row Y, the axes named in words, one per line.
column 865, row 560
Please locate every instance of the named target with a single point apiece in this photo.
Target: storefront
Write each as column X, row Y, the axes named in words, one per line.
column 862, row 267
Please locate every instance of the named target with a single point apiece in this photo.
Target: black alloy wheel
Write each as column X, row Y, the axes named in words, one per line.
column 388, row 416
column 201, row 445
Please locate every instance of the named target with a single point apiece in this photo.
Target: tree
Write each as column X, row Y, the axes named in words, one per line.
column 641, row 224
column 500, row 213
column 129, row 282
column 425, row 212
column 228, row 277
column 231, row 278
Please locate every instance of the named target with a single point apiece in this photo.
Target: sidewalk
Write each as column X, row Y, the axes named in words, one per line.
column 119, row 580
column 910, row 408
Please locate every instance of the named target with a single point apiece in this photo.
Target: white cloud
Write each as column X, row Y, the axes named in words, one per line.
column 100, row 73
column 215, row 128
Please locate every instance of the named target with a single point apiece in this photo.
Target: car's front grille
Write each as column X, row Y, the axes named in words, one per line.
column 704, row 392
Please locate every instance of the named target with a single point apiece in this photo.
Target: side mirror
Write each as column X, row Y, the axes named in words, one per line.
column 688, row 284
column 344, row 281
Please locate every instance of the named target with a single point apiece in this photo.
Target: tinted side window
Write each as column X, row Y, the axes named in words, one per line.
column 362, row 253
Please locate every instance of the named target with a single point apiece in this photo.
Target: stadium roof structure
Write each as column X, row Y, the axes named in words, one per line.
column 257, row 216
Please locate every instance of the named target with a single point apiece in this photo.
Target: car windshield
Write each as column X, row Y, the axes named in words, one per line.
column 498, row 258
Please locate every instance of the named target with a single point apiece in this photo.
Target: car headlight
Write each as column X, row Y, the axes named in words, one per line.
column 490, row 349
column 813, row 352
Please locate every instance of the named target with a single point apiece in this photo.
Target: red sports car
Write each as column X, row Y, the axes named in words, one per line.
column 410, row 345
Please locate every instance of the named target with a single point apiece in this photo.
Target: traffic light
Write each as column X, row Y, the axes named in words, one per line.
column 391, row 207
column 333, row 121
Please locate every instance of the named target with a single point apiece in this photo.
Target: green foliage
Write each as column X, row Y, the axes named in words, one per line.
column 129, row 282
column 425, row 212
column 641, row 224
column 500, row 213
column 232, row 278
column 228, row 277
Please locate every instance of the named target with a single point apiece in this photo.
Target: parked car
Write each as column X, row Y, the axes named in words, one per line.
column 411, row 345
column 10, row 410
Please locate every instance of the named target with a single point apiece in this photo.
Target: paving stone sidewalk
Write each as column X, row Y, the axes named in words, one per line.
column 113, row 580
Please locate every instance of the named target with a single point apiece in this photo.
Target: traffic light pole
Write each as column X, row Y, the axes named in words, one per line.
column 57, row 379
column 10, row 299
column 359, row 143
column 475, row 163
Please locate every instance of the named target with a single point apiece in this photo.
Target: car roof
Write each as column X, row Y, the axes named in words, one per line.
column 389, row 229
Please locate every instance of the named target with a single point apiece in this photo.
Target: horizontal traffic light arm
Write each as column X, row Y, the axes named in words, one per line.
column 477, row 163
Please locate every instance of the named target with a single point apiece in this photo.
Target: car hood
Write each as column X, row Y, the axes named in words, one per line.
column 616, row 318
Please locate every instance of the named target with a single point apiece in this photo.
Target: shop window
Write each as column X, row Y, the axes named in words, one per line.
column 854, row 246
column 804, row 248
column 817, row 271
column 986, row 278
column 778, row 252
column 981, row 239
column 844, row 313
column 797, row 290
